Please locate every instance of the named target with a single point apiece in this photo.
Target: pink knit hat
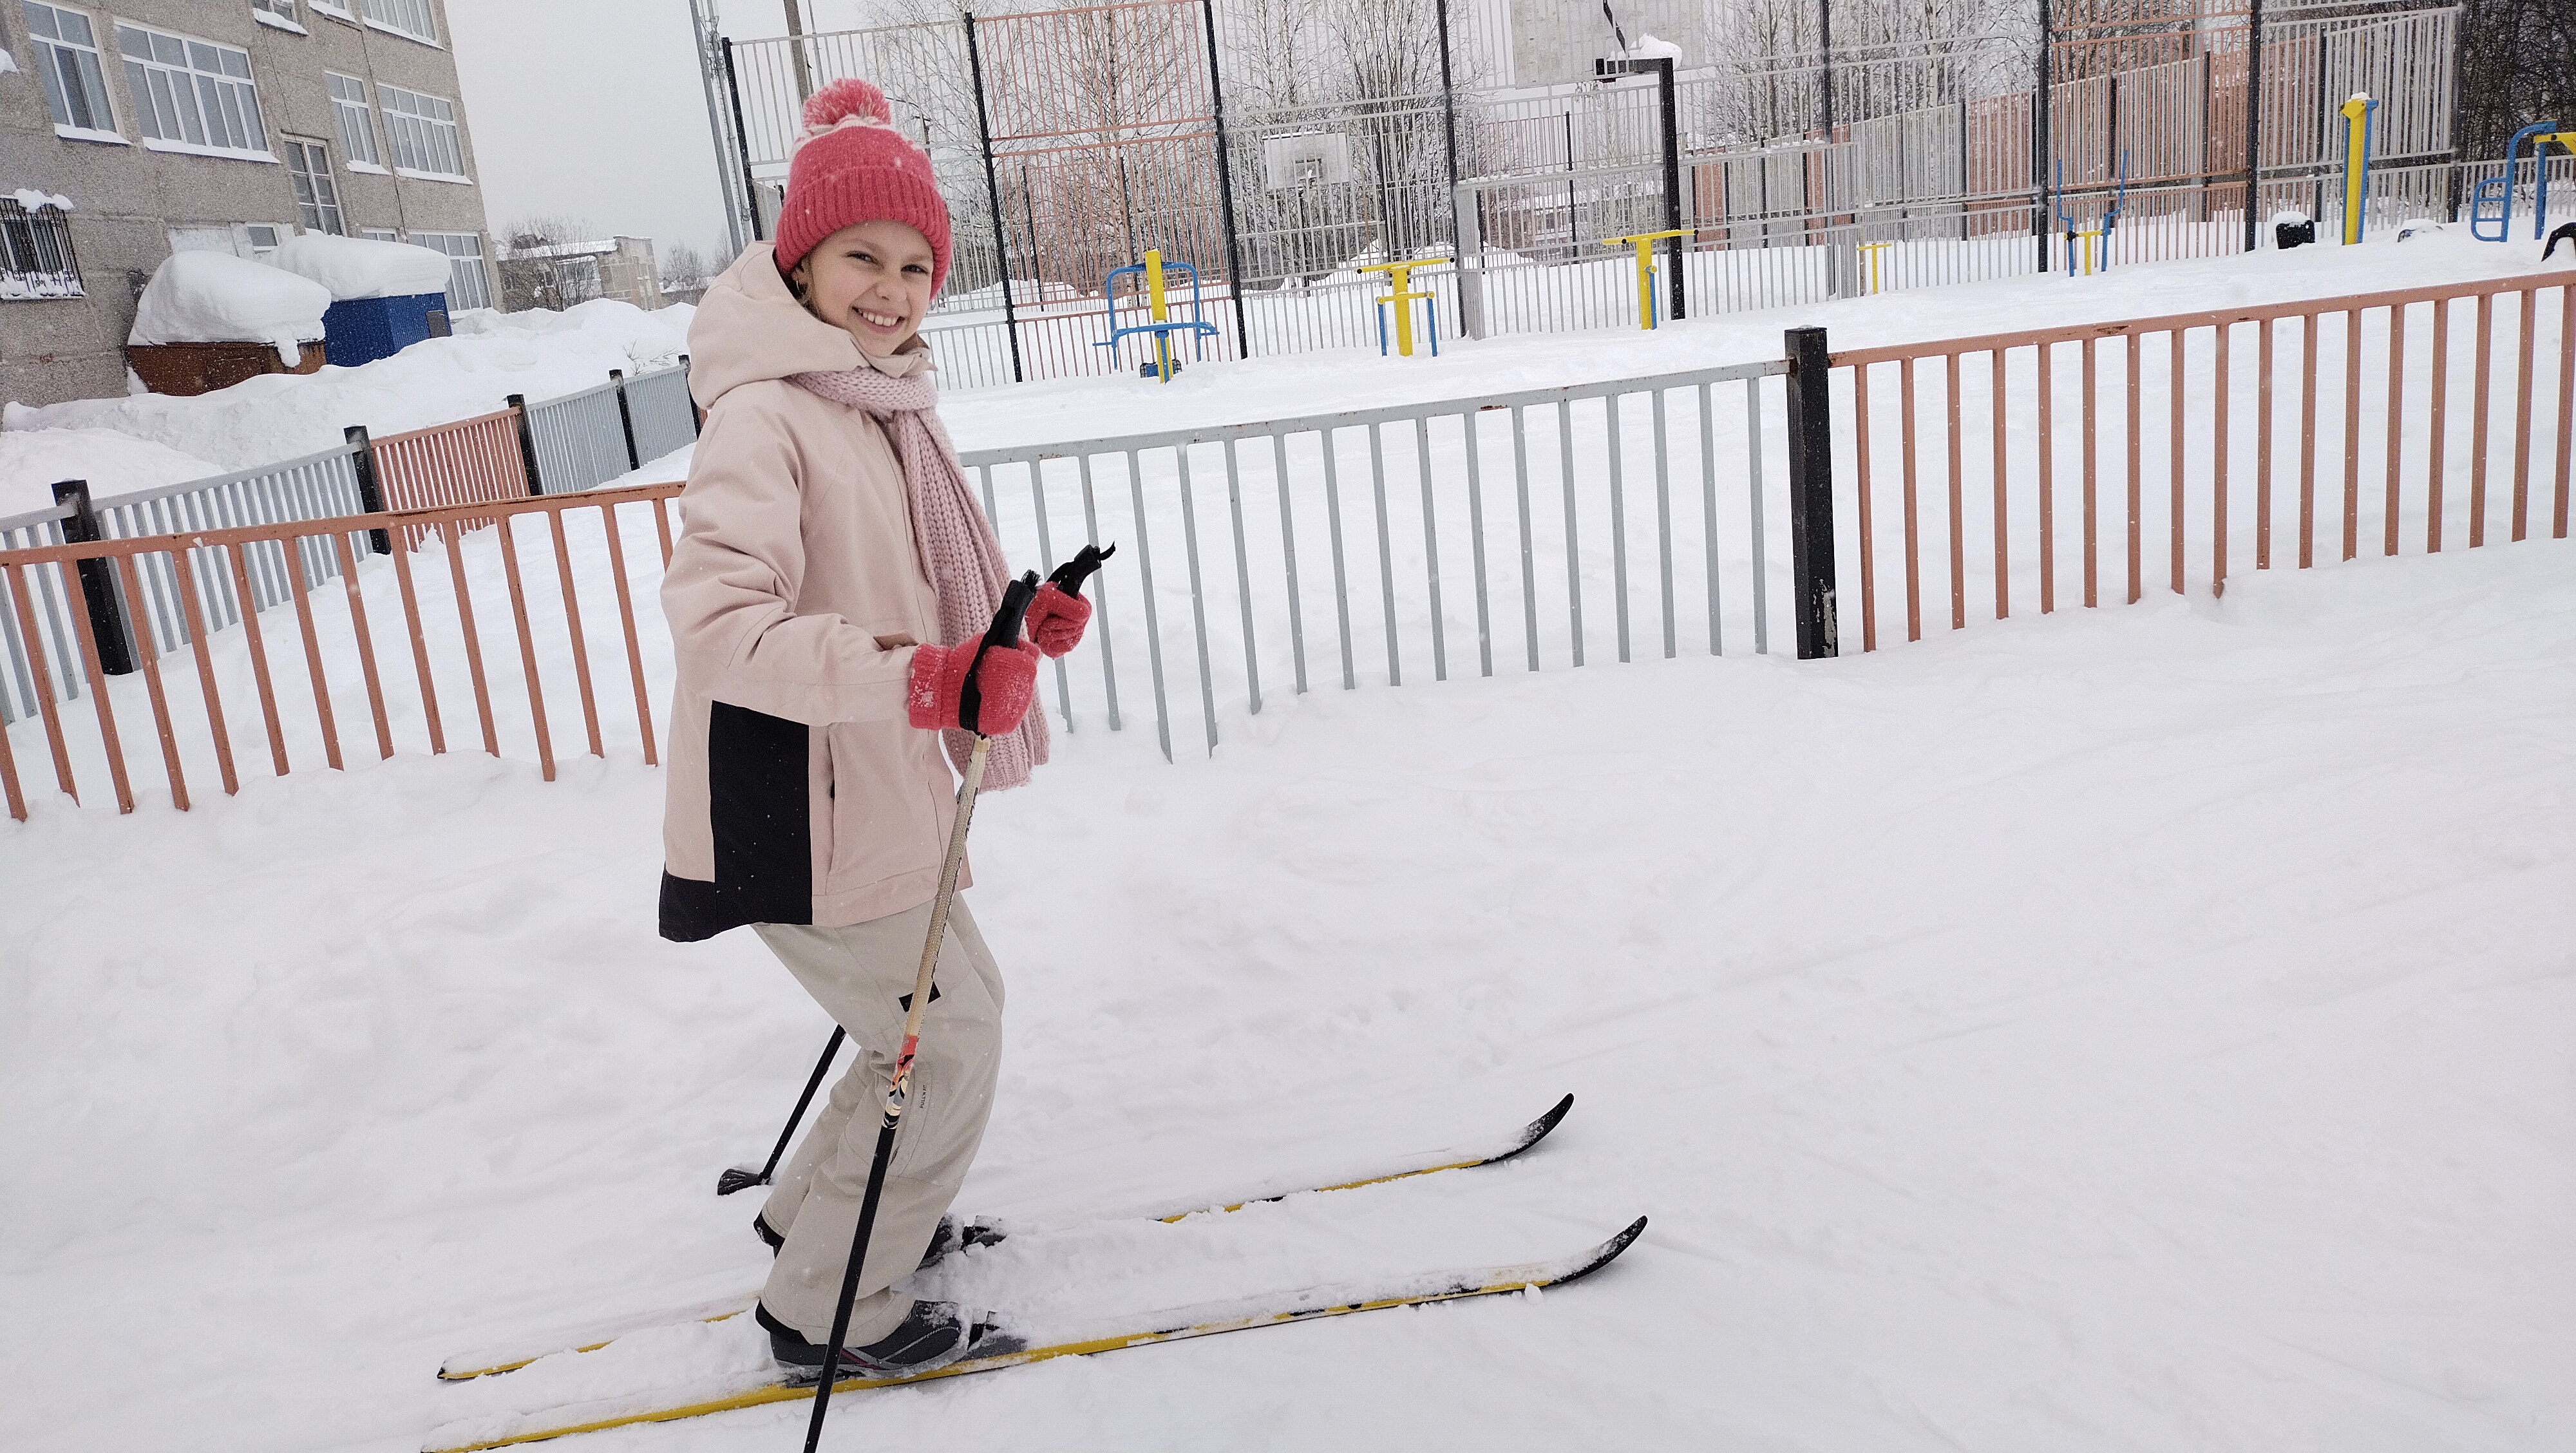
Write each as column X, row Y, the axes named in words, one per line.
column 852, row 166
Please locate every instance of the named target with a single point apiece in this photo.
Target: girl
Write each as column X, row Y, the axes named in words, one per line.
column 831, row 580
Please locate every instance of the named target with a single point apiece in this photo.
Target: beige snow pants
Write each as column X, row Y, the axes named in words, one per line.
column 861, row 975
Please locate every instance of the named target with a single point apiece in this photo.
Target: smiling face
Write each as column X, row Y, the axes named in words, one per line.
column 872, row 280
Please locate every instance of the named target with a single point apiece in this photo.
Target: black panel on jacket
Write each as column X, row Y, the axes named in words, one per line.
column 759, row 805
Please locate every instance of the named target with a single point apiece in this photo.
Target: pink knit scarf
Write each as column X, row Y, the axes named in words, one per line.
column 950, row 535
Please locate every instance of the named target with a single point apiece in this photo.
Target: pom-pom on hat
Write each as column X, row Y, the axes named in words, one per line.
column 853, row 166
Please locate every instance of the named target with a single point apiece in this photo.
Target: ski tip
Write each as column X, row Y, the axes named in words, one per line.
column 1535, row 1131
column 1605, row 1253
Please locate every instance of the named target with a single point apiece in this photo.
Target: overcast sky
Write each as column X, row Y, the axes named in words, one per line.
column 592, row 109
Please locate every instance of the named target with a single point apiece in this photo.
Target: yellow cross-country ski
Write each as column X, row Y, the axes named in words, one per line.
column 752, row 1380
column 518, row 1351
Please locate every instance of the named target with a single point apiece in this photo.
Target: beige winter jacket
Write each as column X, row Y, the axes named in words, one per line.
column 798, row 791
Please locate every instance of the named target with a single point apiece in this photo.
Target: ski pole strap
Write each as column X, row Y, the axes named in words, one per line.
column 901, row 1089
column 1004, row 632
column 1069, row 576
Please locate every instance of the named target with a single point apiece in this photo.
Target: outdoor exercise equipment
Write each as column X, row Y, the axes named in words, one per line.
column 1648, row 316
column 1400, row 295
column 2491, row 204
column 2356, row 163
column 2096, row 243
column 1874, row 263
column 1154, row 303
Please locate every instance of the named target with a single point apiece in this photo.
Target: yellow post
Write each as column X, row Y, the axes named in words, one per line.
column 1645, row 242
column 2356, row 161
column 1399, row 291
column 1159, row 311
column 1874, row 266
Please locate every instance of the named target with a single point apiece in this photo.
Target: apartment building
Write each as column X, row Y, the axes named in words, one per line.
column 219, row 125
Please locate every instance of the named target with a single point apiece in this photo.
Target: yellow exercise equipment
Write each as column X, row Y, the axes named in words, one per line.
column 1400, row 293
column 1647, row 314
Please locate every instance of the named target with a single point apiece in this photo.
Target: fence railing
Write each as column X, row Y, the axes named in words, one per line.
column 2430, row 415
column 333, row 640
column 497, row 456
column 1537, row 530
column 1370, row 544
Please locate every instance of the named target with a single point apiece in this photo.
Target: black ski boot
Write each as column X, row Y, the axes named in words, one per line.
column 974, row 1231
column 933, row 1335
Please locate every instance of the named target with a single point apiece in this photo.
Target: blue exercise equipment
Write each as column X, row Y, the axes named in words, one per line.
column 2491, row 204
column 1152, row 302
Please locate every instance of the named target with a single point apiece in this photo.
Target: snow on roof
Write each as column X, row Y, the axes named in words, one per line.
column 568, row 249
column 361, row 267
column 215, row 297
column 30, row 198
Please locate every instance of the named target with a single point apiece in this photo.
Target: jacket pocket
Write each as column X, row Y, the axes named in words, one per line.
column 881, row 819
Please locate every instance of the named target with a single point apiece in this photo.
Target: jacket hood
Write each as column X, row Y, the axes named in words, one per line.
column 749, row 329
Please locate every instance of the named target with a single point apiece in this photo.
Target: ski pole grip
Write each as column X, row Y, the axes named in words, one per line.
column 1069, row 576
column 1005, row 633
column 1005, row 630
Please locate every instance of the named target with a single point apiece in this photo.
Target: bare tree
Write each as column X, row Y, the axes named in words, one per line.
column 534, row 274
column 683, row 267
column 2522, row 56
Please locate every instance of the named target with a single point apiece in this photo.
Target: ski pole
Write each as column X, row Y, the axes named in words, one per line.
column 740, row 1177
column 1004, row 634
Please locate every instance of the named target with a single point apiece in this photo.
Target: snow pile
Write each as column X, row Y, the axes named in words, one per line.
column 362, row 267
column 540, row 355
column 33, row 200
column 113, row 463
column 215, row 297
column 650, row 338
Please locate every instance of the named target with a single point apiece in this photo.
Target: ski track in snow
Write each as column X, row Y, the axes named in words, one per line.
column 2146, row 1027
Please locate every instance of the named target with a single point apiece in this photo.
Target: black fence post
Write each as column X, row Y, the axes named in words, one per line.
column 97, row 581
column 625, row 417
column 1811, row 490
column 697, row 416
column 527, row 444
column 993, row 197
column 1225, row 184
column 371, row 495
column 742, row 144
column 1669, row 105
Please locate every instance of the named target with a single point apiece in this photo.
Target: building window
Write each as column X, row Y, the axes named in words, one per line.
column 36, row 251
column 191, row 95
column 262, row 240
column 357, row 127
column 467, row 287
column 379, row 234
column 336, row 9
column 280, row 13
column 423, row 132
column 67, row 58
column 317, row 196
column 402, row 17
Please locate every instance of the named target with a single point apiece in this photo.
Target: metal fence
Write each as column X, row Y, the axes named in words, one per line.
column 334, row 642
column 1515, row 531
column 580, row 439
column 1276, row 153
column 2082, row 464
column 575, row 444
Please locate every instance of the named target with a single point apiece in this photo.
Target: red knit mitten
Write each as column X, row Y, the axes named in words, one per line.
column 1007, row 680
column 1057, row 618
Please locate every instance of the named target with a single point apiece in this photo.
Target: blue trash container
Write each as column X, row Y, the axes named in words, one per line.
column 362, row 330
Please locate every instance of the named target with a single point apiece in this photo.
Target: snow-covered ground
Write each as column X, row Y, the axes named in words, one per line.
column 2146, row 1027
